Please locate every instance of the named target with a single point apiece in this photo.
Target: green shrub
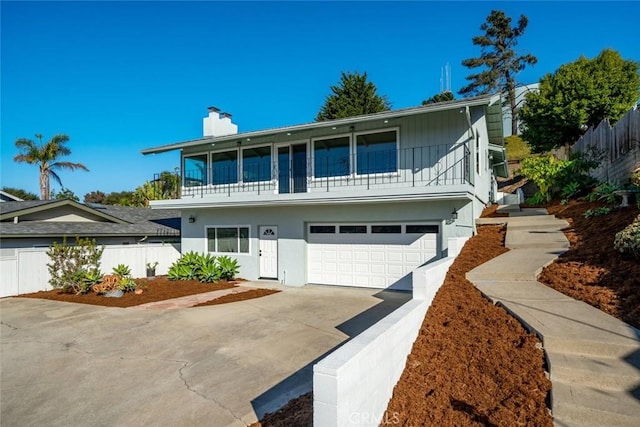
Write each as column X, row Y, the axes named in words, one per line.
column 537, row 199
column 568, row 178
column 73, row 267
column 228, row 267
column 628, row 240
column 203, row 267
column 604, row 192
column 545, row 172
column 570, row 190
column 209, row 273
column 597, row 212
column 517, row 149
column 127, row 284
column 121, row 270
column 92, row 277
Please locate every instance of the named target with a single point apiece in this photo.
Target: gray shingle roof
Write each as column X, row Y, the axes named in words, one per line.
column 140, row 222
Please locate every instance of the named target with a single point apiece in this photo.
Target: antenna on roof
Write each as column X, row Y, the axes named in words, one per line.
column 445, row 78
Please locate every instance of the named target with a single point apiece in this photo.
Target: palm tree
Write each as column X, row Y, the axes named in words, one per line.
column 45, row 156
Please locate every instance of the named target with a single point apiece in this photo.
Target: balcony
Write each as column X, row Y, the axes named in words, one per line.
column 293, row 173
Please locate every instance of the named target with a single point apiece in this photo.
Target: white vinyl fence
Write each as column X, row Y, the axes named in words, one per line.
column 25, row 270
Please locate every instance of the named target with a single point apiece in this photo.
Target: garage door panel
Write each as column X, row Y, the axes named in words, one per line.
column 394, row 256
column 367, row 260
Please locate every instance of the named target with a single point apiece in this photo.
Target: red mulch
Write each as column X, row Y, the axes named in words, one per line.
column 472, row 363
column 297, row 412
column 490, row 212
column 592, row 270
column 239, row 296
column 157, row 289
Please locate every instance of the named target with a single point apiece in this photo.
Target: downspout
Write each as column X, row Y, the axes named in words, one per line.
column 472, row 145
column 467, row 112
column 472, row 171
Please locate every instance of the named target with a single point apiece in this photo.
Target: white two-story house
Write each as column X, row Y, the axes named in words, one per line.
column 360, row 201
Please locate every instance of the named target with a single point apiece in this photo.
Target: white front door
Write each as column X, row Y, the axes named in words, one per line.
column 269, row 252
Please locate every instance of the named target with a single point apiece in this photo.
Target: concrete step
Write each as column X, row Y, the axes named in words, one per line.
column 508, row 208
column 542, row 237
column 597, row 346
column 573, row 405
column 531, row 212
column 515, row 265
column 610, row 373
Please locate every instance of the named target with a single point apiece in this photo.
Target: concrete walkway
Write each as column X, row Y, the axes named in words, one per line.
column 192, row 300
column 592, row 357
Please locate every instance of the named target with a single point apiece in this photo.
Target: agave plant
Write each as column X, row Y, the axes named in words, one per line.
column 182, row 272
column 209, row 272
column 228, row 267
column 121, row 270
column 127, row 284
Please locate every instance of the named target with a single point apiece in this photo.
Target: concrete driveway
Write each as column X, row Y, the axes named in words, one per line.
column 66, row 364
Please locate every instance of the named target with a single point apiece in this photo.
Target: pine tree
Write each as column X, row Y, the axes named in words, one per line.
column 353, row 96
column 502, row 62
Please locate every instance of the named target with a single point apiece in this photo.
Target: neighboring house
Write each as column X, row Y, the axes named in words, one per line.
column 521, row 92
column 39, row 223
column 8, row 197
column 360, row 201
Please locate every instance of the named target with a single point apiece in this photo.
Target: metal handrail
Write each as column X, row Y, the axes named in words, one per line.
column 431, row 165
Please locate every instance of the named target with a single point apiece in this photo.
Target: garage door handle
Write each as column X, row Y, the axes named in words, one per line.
column 260, row 252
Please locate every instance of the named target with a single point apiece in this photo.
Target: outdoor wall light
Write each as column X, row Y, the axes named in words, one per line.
column 192, row 219
column 454, row 216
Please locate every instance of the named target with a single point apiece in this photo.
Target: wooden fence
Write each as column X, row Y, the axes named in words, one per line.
column 24, row 270
column 619, row 143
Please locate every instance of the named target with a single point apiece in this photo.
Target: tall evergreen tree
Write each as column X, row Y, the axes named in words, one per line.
column 353, row 96
column 46, row 157
column 502, row 62
column 439, row 97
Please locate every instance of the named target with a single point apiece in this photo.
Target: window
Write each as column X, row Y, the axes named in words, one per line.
column 230, row 240
column 386, row 229
column 195, row 170
column 377, row 152
column 322, row 229
column 224, row 167
column 256, row 164
column 353, row 229
column 422, row 229
column 331, row 157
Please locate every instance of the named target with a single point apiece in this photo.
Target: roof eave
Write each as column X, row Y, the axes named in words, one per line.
column 425, row 109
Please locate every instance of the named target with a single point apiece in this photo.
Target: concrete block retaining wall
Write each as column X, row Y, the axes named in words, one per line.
column 353, row 385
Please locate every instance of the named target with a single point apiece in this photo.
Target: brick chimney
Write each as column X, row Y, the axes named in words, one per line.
column 218, row 124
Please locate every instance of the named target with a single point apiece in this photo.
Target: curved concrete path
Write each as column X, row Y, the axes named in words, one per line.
column 592, row 357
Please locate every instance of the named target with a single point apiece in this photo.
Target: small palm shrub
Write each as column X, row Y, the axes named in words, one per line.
column 628, row 240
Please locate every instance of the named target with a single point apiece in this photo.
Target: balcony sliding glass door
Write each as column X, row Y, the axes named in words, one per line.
column 292, row 169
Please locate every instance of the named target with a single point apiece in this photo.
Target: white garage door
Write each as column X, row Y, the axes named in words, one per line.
column 369, row 255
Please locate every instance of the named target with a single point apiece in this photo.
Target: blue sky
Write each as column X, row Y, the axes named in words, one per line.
column 118, row 77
